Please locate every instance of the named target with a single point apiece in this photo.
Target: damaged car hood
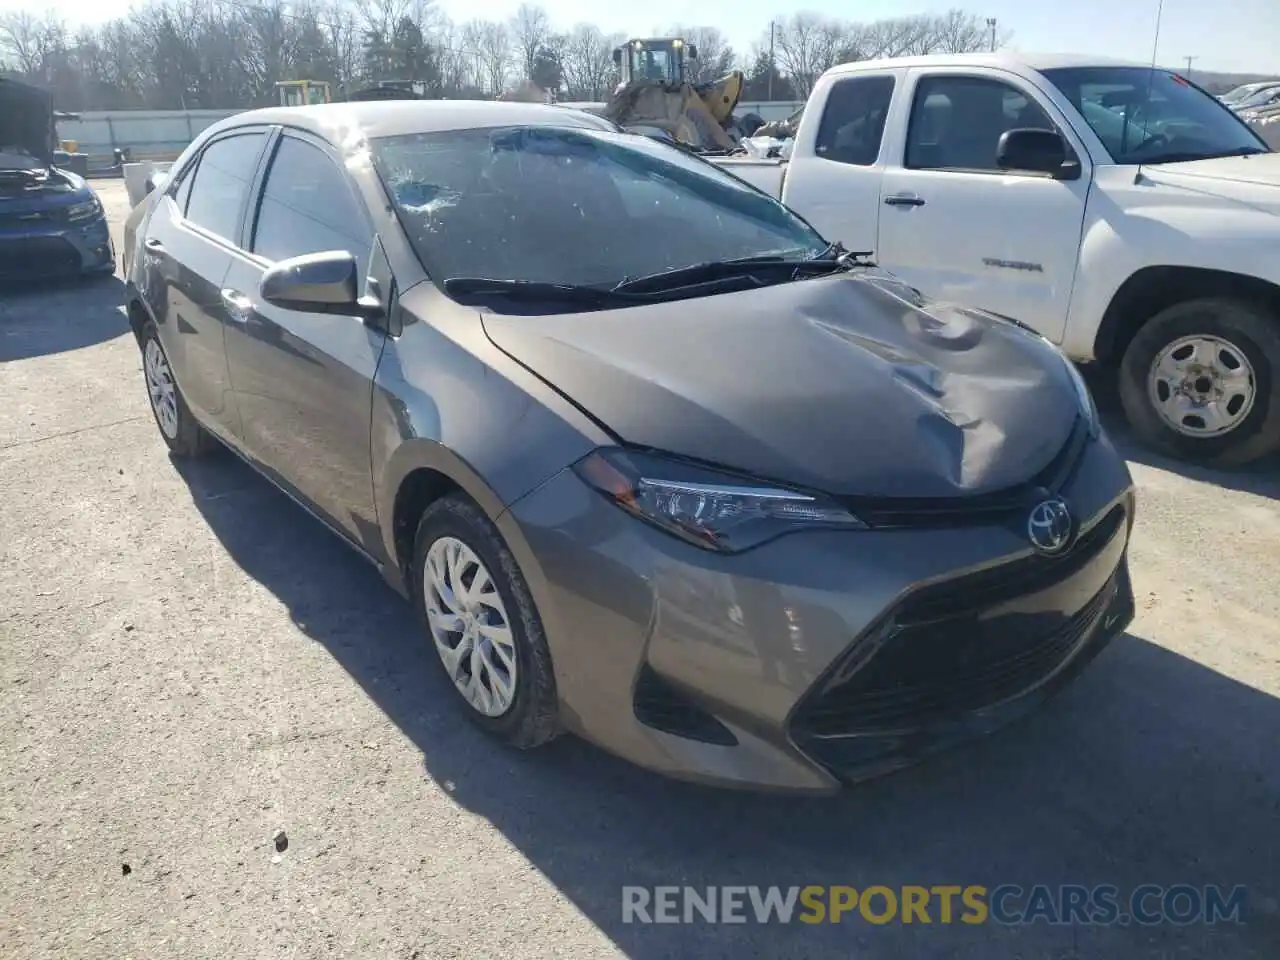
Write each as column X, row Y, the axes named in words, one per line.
column 852, row 385
column 26, row 121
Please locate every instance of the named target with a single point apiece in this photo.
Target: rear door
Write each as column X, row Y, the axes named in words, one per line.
column 958, row 227
column 833, row 180
column 184, row 256
column 304, row 381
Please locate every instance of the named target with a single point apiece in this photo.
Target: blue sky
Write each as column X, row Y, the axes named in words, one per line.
column 1232, row 35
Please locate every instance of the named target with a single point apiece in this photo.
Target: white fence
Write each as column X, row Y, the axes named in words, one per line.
column 148, row 133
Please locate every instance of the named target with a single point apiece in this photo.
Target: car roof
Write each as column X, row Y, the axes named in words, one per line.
column 1023, row 61
column 337, row 122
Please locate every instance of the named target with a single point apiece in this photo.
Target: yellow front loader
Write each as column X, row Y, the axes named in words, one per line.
column 655, row 92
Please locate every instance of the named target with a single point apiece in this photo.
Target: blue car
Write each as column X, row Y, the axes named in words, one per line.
column 51, row 221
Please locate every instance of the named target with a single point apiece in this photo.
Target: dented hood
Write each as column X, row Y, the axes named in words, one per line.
column 850, row 384
column 26, row 120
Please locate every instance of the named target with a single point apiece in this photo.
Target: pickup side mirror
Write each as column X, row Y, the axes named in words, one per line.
column 692, row 51
column 325, row 282
column 617, row 55
column 1040, row 151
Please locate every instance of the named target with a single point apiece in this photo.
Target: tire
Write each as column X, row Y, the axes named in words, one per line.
column 531, row 715
column 749, row 123
column 178, row 427
column 1235, row 329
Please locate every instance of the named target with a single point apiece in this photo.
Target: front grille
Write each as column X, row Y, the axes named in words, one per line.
column 37, row 257
column 899, row 512
column 963, row 645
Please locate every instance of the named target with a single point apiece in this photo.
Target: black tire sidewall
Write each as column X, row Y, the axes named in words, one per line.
column 524, row 722
column 1251, row 330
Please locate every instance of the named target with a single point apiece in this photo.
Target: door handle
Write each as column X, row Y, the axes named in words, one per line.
column 238, row 305
column 903, row 200
column 152, row 243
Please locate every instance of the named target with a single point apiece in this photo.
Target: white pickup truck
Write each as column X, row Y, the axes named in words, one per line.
column 1122, row 212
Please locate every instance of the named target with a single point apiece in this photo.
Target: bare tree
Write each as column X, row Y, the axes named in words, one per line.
column 715, row 57
column 530, row 31
column 959, row 32
column 587, row 59
column 493, row 50
column 806, row 45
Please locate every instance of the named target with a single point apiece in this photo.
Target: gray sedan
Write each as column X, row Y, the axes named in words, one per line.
column 656, row 463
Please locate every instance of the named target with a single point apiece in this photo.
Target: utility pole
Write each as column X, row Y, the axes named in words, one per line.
column 772, row 68
column 1189, row 59
column 991, row 23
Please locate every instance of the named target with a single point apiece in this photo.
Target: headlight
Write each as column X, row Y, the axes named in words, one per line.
column 84, row 211
column 713, row 510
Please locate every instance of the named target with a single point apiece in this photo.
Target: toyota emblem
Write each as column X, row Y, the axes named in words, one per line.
column 1049, row 528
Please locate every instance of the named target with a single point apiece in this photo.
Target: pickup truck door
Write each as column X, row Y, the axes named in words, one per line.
column 833, row 179
column 957, row 227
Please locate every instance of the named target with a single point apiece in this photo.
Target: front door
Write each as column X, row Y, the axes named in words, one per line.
column 957, row 227
column 304, row 381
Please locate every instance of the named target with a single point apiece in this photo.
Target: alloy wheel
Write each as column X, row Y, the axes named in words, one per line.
column 160, row 386
column 470, row 626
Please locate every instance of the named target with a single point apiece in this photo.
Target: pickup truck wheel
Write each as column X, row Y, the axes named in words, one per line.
column 1198, row 381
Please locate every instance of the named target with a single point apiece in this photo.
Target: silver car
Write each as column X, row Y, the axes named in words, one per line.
column 656, row 463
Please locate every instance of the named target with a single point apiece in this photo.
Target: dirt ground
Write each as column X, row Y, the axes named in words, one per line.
column 189, row 663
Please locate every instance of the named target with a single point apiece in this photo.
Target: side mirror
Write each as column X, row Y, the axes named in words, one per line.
column 692, row 51
column 327, row 282
column 617, row 55
column 1040, row 151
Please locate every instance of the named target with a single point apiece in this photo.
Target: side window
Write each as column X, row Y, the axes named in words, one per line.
column 183, row 189
column 307, row 207
column 853, row 120
column 957, row 122
column 221, row 183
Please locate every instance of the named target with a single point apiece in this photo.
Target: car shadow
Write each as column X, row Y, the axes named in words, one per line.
column 1149, row 769
column 56, row 316
column 1261, row 478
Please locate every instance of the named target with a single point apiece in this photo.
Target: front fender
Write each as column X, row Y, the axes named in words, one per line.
column 1132, row 224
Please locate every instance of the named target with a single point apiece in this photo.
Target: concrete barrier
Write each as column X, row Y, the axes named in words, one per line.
column 135, row 178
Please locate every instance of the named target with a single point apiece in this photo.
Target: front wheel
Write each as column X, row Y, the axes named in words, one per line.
column 1198, row 381
column 480, row 616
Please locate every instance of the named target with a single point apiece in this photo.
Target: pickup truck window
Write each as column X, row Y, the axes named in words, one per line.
column 956, row 122
column 1153, row 116
column 853, row 120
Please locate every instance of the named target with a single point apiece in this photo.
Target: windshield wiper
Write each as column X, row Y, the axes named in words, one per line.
column 538, row 290
column 833, row 258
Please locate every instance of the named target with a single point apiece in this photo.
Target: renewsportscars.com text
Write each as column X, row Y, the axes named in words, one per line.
column 1011, row 904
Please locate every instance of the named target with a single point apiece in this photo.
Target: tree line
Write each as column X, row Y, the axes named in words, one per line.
column 188, row 54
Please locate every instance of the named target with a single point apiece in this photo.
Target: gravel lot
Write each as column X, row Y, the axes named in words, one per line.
column 189, row 663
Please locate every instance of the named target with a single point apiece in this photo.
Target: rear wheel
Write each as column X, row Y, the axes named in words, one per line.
column 181, row 432
column 480, row 616
column 1198, row 381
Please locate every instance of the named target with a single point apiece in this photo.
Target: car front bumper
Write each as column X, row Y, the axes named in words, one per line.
column 56, row 249
column 822, row 657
